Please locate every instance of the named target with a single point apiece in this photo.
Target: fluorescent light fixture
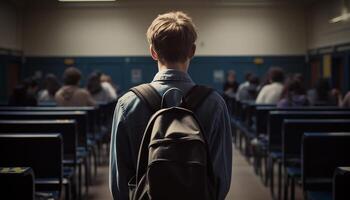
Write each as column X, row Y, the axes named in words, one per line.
column 86, row 0
column 345, row 14
column 343, row 17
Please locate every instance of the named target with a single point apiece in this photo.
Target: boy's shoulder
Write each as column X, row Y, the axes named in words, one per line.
column 215, row 101
column 129, row 102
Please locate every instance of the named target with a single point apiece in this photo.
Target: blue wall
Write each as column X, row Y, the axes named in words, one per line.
column 201, row 69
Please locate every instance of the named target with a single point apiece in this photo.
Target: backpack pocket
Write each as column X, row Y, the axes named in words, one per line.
column 178, row 169
column 173, row 180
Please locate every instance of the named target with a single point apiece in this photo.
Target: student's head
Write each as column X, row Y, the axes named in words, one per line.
column 247, row 76
column 254, row 80
column 31, row 85
column 106, row 78
column 94, row 83
column 293, row 86
column 71, row 76
column 172, row 38
column 299, row 76
column 231, row 76
column 276, row 75
column 52, row 84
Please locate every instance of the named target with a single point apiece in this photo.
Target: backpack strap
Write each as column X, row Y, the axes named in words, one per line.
column 148, row 94
column 195, row 97
column 192, row 100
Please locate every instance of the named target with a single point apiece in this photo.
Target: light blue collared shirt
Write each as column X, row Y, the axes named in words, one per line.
column 131, row 117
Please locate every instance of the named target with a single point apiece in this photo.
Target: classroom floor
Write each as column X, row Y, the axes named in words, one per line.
column 245, row 184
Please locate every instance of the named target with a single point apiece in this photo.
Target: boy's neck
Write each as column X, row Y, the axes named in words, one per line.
column 177, row 66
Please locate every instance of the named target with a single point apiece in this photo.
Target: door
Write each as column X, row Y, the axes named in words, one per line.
column 338, row 72
column 12, row 77
column 315, row 65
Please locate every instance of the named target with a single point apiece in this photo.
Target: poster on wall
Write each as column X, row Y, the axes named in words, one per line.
column 136, row 76
column 327, row 66
column 218, row 76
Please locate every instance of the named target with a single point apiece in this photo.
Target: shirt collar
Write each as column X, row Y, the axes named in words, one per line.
column 276, row 83
column 172, row 75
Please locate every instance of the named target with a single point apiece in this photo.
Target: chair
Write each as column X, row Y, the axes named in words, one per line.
column 17, row 183
column 43, row 153
column 293, row 130
column 68, row 130
column 91, row 112
column 82, row 127
column 321, row 155
column 341, row 182
column 95, row 133
column 79, row 116
column 274, row 132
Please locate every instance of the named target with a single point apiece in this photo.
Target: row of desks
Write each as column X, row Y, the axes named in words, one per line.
column 80, row 130
column 274, row 135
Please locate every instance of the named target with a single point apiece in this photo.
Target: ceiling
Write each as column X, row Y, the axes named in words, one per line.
column 25, row 3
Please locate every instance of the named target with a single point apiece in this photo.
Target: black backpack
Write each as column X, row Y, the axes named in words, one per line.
column 173, row 161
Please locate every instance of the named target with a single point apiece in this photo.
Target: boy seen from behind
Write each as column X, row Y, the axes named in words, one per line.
column 172, row 38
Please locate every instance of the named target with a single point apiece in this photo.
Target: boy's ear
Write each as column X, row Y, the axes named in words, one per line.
column 153, row 53
column 192, row 51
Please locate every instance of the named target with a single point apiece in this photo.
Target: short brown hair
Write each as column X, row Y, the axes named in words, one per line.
column 276, row 74
column 172, row 35
column 71, row 76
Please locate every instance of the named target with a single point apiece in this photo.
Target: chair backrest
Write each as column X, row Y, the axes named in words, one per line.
column 17, row 183
column 242, row 108
column 341, row 182
column 321, row 155
column 43, row 153
column 276, row 119
column 106, row 113
column 47, row 104
column 262, row 114
column 67, row 128
column 294, row 129
column 79, row 116
column 246, row 112
column 93, row 113
column 259, row 115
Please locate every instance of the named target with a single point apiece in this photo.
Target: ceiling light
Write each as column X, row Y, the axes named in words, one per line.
column 345, row 14
column 343, row 17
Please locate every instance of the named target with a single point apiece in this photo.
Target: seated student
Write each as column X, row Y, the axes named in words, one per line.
column 100, row 92
column 249, row 91
column 271, row 93
column 322, row 95
column 172, row 39
column 70, row 94
column 231, row 85
column 346, row 101
column 293, row 95
column 52, row 85
column 24, row 94
column 247, row 77
column 300, row 78
column 107, row 83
